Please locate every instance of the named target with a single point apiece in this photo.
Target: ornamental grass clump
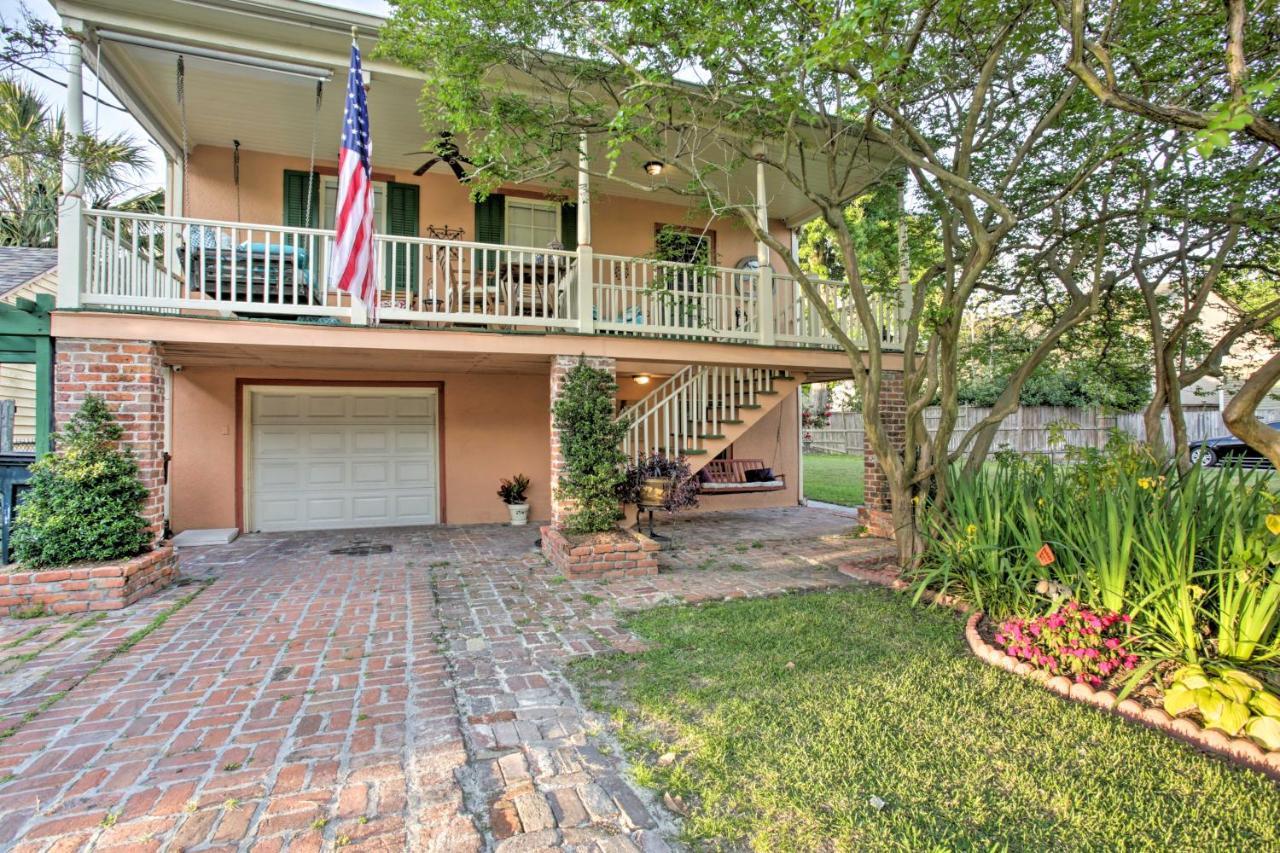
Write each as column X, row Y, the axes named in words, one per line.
column 1085, row 645
column 83, row 502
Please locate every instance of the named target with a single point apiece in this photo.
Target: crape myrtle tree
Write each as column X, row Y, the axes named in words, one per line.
column 1001, row 149
column 1208, row 72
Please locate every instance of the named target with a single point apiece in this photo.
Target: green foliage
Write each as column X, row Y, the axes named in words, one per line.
column 84, row 501
column 786, row 715
column 513, row 491
column 33, row 145
column 1190, row 557
column 682, row 486
column 1226, row 699
column 589, row 443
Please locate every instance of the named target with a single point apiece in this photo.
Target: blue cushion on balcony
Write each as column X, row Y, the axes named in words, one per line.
column 632, row 316
column 274, row 250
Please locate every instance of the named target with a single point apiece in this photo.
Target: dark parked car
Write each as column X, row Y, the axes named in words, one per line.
column 1215, row 451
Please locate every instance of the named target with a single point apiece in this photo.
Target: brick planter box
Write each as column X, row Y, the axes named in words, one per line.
column 617, row 554
column 89, row 586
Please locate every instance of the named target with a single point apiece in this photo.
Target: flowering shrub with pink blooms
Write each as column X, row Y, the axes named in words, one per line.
column 1086, row 645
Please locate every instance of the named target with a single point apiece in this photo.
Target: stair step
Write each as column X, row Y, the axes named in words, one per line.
column 747, row 406
column 732, row 421
column 711, row 436
column 693, row 451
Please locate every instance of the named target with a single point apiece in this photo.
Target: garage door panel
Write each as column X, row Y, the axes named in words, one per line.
column 320, row 407
column 413, row 441
column 270, row 406
column 326, row 474
column 415, row 473
column 418, row 408
column 325, row 460
column 368, row 440
column 273, row 441
column 369, row 473
column 277, row 475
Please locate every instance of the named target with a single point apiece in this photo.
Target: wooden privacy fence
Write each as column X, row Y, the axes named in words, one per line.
column 1030, row 429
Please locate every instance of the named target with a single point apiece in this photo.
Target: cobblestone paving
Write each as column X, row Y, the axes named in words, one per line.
column 410, row 698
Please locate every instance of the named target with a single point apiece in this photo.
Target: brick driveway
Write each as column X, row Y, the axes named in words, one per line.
column 410, row 698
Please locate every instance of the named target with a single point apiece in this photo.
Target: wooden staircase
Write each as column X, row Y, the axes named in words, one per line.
column 701, row 410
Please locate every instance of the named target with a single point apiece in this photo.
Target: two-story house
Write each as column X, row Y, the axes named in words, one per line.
column 255, row 397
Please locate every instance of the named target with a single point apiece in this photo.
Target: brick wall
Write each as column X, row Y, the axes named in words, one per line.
column 893, row 414
column 601, row 556
column 560, row 367
column 129, row 376
column 83, row 587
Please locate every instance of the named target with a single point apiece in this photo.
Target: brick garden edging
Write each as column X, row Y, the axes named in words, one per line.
column 81, row 588
column 1239, row 750
column 617, row 554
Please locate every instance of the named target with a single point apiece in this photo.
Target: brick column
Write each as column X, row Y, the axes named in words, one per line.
column 129, row 377
column 876, row 507
column 560, row 367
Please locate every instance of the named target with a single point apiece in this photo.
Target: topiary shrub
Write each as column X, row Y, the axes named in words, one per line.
column 83, row 502
column 589, row 445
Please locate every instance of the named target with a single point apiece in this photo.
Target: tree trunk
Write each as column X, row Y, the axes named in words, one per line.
column 1240, row 418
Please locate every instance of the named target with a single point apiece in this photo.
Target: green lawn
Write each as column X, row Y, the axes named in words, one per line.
column 833, row 477
column 884, row 701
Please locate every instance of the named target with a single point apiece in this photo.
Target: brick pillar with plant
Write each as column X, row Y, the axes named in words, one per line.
column 586, row 457
column 85, row 501
column 876, row 508
column 129, row 376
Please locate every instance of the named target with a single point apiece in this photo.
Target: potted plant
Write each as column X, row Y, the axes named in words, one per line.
column 660, row 482
column 513, row 493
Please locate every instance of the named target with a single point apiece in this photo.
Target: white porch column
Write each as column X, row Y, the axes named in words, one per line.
column 71, row 204
column 764, row 297
column 586, row 262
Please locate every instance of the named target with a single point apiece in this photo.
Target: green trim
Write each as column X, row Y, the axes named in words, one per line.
column 24, row 339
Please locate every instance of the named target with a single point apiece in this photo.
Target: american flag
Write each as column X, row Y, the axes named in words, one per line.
column 352, row 265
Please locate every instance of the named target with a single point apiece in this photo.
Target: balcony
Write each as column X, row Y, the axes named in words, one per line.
column 176, row 265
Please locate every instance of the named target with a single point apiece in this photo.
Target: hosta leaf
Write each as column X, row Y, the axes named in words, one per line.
column 1188, row 670
column 1266, row 704
column 1234, row 692
column 1192, row 677
column 1178, row 699
column 1239, row 676
column 1265, row 731
column 1233, row 717
column 1210, row 703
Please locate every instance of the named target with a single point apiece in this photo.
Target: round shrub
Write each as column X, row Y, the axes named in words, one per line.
column 83, row 502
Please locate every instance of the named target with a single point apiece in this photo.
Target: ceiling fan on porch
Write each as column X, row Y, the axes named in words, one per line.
column 445, row 151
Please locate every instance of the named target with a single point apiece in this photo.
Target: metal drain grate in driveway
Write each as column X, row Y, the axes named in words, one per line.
column 361, row 550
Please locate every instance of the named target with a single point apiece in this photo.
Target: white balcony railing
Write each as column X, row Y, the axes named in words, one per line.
column 145, row 262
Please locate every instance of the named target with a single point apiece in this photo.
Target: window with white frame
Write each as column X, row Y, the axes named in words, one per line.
column 531, row 222
column 329, row 204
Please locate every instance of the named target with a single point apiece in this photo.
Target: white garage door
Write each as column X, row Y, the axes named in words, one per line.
column 325, row 459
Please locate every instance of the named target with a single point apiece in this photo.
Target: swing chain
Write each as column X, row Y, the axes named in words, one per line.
column 182, row 109
column 311, row 165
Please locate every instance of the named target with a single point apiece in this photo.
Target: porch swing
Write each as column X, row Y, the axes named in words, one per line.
column 250, row 271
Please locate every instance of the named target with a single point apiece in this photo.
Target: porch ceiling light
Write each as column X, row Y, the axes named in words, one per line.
column 654, row 167
column 642, row 379
column 310, row 72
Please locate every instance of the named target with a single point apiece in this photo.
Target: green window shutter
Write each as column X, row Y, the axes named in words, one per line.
column 402, row 220
column 296, row 206
column 491, row 224
column 569, row 226
column 295, row 200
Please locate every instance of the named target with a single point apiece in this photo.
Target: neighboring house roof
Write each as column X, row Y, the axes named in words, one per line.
column 19, row 265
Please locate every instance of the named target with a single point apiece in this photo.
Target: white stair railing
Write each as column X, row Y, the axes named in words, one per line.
column 691, row 408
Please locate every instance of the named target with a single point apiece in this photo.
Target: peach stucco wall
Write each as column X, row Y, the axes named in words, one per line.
column 620, row 225
column 493, row 426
